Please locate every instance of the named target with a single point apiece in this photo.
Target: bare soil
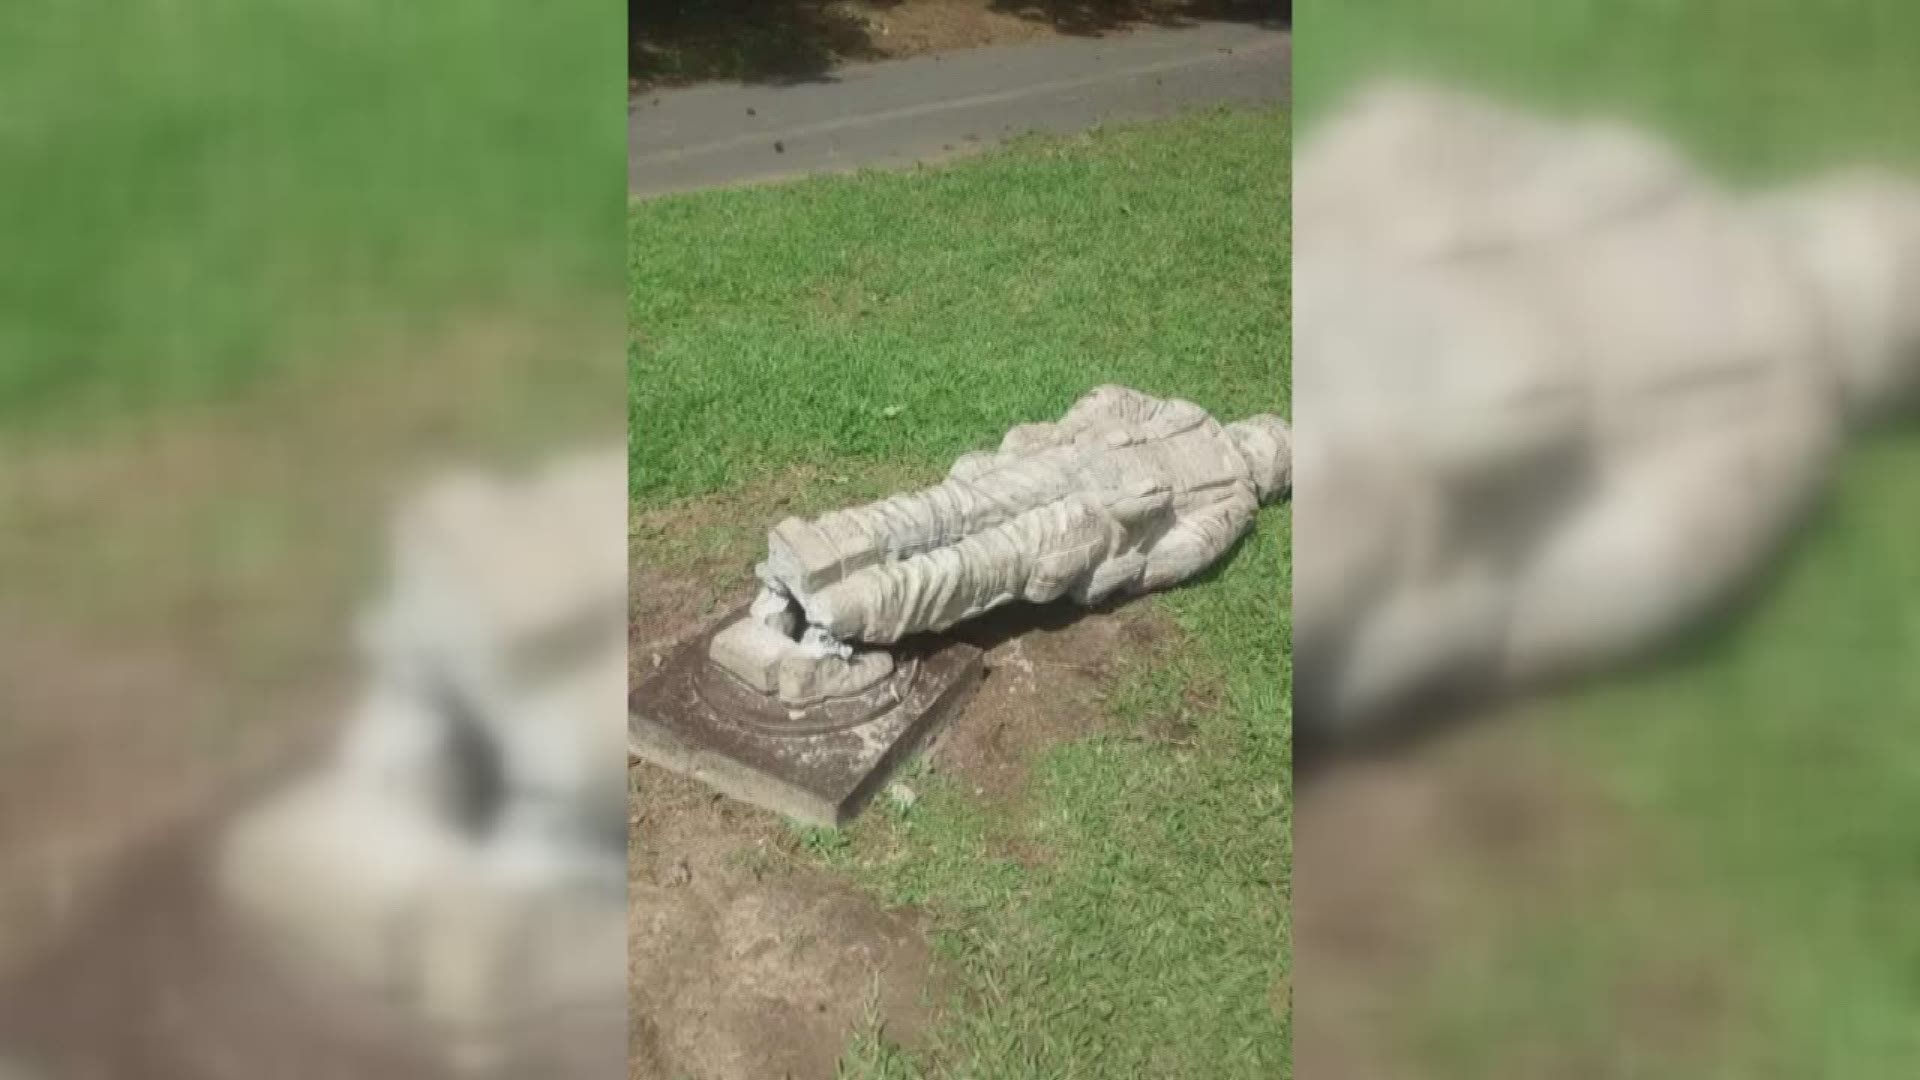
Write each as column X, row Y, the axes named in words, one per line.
column 745, row 963
column 107, row 750
column 147, row 979
column 919, row 27
column 1048, row 673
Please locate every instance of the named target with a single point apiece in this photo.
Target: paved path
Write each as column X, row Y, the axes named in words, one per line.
column 904, row 111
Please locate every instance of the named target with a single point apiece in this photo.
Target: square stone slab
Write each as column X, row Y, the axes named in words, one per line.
column 819, row 765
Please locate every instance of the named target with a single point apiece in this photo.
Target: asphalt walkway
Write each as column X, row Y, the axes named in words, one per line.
column 900, row 112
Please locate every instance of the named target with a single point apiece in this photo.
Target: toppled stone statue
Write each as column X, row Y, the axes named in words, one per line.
column 1125, row 494
column 1562, row 393
column 463, row 854
column 804, row 700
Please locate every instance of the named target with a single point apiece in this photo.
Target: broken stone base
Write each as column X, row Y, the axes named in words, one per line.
column 818, row 765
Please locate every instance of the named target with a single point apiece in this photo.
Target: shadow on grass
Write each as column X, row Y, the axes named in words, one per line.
column 782, row 42
column 147, row 973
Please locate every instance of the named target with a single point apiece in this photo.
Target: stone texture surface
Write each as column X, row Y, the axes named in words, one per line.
column 762, row 651
column 1563, row 393
column 818, row 764
column 1126, row 493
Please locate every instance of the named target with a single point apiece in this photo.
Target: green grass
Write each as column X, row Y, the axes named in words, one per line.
column 835, row 321
column 1754, row 87
column 890, row 322
column 200, row 197
column 1781, row 767
column 301, row 246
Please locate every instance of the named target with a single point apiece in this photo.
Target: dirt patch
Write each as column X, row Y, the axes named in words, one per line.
column 107, row 746
column 665, row 609
column 744, row 962
column 153, row 979
column 115, row 957
column 919, row 27
column 1049, row 671
column 149, row 980
column 1412, row 873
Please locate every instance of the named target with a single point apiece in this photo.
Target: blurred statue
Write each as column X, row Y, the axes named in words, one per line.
column 1124, row 494
column 1563, row 394
column 464, row 851
column 503, row 635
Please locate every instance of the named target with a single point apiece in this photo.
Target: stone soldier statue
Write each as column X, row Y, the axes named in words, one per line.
column 1562, row 393
column 1126, row 493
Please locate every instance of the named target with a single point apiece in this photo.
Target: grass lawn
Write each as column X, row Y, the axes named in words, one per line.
column 262, row 261
column 869, row 329
column 1781, row 769
column 263, row 256
column 202, row 198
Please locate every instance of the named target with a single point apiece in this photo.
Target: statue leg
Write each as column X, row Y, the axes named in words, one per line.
column 805, row 556
column 1038, row 556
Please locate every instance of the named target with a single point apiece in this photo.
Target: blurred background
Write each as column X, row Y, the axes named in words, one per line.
column 1705, row 867
column 268, row 266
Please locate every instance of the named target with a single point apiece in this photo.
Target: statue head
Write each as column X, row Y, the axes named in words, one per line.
column 1266, row 443
column 1857, row 238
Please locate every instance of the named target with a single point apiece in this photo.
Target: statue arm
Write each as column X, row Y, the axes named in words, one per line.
column 1198, row 539
column 1106, row 406
column 1120, row 405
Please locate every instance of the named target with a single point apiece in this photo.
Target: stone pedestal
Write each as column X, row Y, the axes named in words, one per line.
column 818, row 764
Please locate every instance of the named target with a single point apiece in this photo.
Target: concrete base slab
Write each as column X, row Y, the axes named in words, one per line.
column 818, row 765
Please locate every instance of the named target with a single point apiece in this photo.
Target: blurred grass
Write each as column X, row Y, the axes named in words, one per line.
column 264, row 257
column 265, row 262
column 200, row 197
column 1780, row 768
column 888, row 321
column 1754, row 87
